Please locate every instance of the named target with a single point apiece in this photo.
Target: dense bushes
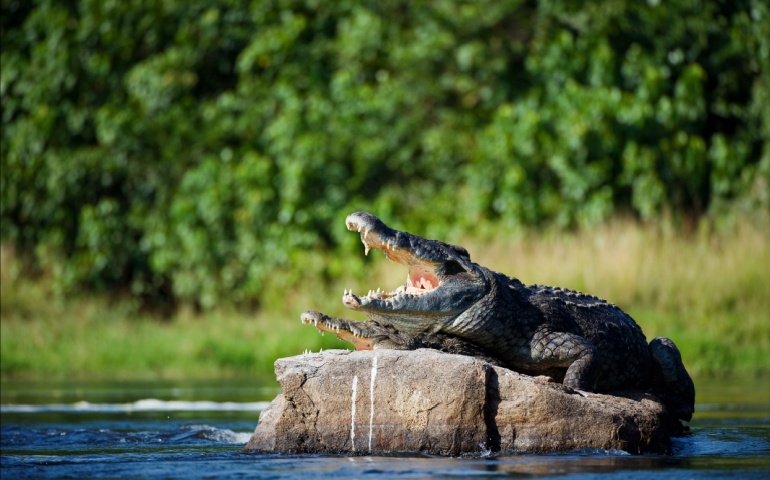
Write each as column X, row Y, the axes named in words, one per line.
column 187, row 149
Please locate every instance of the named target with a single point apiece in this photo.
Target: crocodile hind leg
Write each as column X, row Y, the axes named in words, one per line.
column 678, row 391
column 570, row 351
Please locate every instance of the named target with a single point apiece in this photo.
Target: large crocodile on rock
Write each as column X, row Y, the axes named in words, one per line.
column 451, row 304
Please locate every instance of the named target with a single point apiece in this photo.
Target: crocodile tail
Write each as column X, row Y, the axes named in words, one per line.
column 678, row 390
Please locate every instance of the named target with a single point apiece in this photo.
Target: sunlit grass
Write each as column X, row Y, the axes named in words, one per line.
column 708, row 291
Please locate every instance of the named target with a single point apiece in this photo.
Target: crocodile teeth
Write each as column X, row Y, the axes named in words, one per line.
column 364, row 233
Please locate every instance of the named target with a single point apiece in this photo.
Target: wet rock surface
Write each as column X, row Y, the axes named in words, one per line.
column 426, row 401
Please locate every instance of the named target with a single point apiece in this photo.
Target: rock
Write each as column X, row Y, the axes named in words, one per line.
column 385, row 401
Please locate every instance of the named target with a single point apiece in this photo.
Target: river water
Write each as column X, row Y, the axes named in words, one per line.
column 197, row 429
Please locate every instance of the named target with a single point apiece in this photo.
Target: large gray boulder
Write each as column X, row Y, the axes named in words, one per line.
column 384, row 401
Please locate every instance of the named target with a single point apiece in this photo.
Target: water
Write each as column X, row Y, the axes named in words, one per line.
column 197, row 430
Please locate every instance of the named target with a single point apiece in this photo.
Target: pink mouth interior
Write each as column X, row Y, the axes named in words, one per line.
column 422, row 281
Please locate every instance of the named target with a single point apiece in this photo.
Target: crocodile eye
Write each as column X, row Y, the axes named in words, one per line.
column 451, row 268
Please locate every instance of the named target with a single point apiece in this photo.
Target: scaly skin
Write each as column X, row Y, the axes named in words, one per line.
column 371, row 335
column 452, row 304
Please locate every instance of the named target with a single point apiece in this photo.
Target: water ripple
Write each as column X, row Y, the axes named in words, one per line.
column 145, row 405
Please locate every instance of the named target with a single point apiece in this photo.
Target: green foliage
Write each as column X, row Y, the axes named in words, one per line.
column 196, row 151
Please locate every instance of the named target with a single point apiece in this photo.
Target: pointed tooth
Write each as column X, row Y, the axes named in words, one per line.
column 366, row 249
column 366, row 232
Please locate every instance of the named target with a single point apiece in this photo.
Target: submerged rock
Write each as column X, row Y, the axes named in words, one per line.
column 384, row 401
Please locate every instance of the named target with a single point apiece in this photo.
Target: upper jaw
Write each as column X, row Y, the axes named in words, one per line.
column 401, row 247
column 375, row 234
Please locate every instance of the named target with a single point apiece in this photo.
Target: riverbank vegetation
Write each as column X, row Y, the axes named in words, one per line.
column 185, row 151
column 707, row 290
column 175, row 174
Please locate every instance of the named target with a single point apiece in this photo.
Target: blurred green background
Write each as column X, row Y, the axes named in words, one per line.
column 176, row 174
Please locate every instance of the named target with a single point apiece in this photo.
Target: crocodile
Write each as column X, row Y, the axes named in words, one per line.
column 452, row 304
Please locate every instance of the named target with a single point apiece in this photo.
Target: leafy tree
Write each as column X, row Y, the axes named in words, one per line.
column 188, row 150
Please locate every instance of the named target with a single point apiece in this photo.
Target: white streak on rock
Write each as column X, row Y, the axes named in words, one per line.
column 353, row 415
column 371, row 400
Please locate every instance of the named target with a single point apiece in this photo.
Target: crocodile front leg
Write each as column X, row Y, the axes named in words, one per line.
column 566, row 350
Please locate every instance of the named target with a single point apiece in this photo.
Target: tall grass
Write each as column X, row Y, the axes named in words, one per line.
column 708, row 291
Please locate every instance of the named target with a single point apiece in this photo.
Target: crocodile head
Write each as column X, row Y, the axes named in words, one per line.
column 441, row 285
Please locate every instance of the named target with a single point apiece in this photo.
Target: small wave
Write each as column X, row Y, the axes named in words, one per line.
column 73, row 438
column 145, row 405
column 214, row 434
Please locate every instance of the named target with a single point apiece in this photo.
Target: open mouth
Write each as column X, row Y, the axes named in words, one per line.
column 421, row 278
